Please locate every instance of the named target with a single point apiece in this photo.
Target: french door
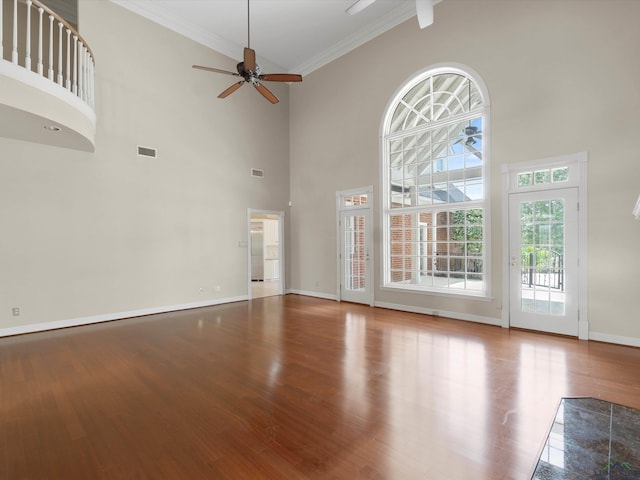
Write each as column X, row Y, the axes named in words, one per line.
column 356, row 283
column 543, row 257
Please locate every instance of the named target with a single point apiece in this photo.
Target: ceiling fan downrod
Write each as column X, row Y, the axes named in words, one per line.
column 250, row 72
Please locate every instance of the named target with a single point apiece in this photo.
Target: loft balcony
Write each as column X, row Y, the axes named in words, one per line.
column 46, row 78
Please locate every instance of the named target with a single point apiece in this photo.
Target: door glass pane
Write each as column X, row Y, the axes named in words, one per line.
column 542, row 257
column 354, row 252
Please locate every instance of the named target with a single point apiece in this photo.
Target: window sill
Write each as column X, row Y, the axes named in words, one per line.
column 480, row 296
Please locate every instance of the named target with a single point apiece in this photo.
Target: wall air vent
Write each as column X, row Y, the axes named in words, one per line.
column 256, row 172
column 147, row 152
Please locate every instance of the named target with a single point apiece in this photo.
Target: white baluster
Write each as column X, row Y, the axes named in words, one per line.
column 50, row 48
column 87, row 80
column 40, row 12
column 27, row 58
column 14, row 52
column 87, row 64
column 91, row 80
column 68, row 84
column 85, row 69
column 93, row 89
column 87, row 88
column 75, row 64
column 60, row 78
column 1, row 28
column 81, row 68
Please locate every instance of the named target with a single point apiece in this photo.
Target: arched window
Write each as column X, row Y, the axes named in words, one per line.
column 435, row 184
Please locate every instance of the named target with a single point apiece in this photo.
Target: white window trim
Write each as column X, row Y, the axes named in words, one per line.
column 439, row 68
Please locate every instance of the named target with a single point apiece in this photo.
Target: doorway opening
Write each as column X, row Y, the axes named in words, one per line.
column 266, row 253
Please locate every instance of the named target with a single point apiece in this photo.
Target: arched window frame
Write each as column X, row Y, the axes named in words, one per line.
column 409, row 285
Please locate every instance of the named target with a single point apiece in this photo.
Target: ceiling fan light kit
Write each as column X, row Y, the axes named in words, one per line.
column 250, row 72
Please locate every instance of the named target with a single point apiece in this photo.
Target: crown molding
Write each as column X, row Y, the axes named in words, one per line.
column 397, row 16
column 154, row 12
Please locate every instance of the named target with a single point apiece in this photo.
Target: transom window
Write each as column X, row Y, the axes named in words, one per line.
column 354, row 200
column 546, row 175
column 434, row 185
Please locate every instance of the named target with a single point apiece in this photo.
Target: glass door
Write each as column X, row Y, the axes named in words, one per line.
column 355, row 244
column 544, row 260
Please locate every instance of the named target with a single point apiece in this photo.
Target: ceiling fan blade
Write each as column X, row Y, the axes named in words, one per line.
column 266, row 93
column 249, row 59
column 358, row 6
column 424, row 10
column 216, row 70
column 231, row 89
column 280, row 77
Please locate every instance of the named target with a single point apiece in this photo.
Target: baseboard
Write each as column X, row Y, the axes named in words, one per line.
column 75, row 322
column 326, row 296
column 441, row 313
column 618, row 339
column 108, row 317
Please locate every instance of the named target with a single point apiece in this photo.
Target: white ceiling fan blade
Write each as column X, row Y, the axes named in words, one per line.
column 358, row 6
column 424, row 9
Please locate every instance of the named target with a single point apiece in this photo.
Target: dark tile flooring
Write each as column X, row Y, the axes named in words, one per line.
column 591, row 440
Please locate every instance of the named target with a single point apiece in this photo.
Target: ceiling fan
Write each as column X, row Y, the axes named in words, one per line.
column 470, row 133
column 424, row 10
column 250, row 72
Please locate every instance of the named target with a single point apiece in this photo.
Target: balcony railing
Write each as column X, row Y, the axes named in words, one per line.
column 36, row 38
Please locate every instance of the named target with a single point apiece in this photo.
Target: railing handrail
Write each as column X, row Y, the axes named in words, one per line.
column 63, row 21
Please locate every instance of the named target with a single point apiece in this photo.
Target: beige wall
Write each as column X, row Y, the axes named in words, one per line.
column 562, row 78
column 96, row 234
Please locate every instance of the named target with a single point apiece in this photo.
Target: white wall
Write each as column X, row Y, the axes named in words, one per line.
column 562, row 78
column 86, row 235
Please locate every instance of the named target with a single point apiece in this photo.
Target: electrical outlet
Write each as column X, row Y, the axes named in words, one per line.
column 16, row 311
column 217, row 288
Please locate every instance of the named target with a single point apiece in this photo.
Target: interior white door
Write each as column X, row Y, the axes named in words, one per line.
column 355, row 245
column 543, row 241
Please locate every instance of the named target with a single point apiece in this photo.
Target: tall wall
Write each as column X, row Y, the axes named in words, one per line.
column 562, row 78
column 86, row 236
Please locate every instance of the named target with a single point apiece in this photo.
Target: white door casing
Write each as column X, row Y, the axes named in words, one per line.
column 276, row 268
column 545, row 180
column 355, row 246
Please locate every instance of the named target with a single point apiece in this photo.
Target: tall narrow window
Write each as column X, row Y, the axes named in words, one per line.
column 435, row 185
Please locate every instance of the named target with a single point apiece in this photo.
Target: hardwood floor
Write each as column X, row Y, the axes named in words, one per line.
column 293, row 388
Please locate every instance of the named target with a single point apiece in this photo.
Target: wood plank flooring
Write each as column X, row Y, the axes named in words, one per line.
column 293, row 387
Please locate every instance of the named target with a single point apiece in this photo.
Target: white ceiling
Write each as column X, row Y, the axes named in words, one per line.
column 292, row 36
